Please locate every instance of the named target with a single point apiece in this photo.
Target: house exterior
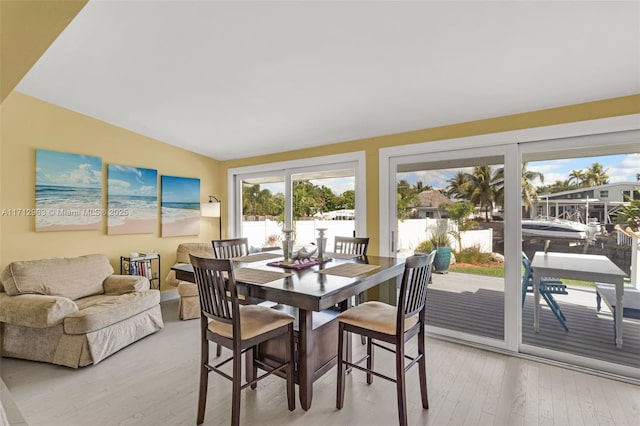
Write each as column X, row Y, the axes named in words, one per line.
column 431, row 204
column 596, row 203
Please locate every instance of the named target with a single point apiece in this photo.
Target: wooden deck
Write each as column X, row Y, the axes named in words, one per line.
column 480, row 311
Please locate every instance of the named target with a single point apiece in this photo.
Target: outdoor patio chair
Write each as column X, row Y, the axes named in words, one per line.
column 548, row 287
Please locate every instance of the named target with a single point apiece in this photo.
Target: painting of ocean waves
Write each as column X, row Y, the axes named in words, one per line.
column 180, row 206
column 68, row 191
column 132, row 200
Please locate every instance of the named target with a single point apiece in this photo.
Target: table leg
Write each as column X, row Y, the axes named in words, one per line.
column 536, row 300
column 618, row 312
column 305, row 367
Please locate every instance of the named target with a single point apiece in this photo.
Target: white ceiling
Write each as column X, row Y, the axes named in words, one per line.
column 238, row 79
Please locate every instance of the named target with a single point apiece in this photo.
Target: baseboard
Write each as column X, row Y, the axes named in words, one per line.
column 169, row 295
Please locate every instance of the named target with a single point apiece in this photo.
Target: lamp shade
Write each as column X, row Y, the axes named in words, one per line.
column 210, row 209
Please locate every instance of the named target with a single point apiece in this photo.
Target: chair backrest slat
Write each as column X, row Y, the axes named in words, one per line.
column 227, row 249
column 216, row 288
column 351, row 245
column 413, row 291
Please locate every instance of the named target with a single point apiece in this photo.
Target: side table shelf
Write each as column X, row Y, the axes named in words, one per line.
column 146, row 266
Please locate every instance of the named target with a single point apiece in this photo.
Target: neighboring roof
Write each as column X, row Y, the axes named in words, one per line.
column 432, row 198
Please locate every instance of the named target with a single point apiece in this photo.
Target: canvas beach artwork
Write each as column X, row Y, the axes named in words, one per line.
column 180, row 206
column 68, row 191
column 132, row 200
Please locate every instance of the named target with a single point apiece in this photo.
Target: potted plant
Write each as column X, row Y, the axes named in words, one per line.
column 440, row 241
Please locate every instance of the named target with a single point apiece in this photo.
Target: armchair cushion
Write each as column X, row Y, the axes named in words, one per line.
column 35, row 310
column 98, row 312
column 68, row 277
column 122, row 284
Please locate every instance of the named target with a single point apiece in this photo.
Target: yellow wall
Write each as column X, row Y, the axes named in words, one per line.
column 28, row 124
column 587, row 111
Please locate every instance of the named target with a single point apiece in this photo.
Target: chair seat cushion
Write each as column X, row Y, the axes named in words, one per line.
column 254, row 320
column 375, row 316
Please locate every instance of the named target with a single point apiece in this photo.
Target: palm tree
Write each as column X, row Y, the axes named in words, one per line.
column 482, row 189
column 596, row 175
column 578, row 177
column 529, row 192
column 458, row 186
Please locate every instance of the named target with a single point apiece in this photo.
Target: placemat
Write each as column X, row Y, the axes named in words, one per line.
column 256, row 257
column 297, row 265
column 342, row 255
column 349, row 269
column 258, row 276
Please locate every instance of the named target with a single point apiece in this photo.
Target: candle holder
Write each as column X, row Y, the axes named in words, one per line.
column 321, row 242
column 287, row 245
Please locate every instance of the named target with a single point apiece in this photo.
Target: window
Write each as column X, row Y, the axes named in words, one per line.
column 303, row 195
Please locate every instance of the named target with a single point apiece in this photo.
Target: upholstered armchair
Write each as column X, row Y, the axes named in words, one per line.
column 189, row 307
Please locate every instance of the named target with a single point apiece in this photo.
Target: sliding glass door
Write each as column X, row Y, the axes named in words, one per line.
column 453, row 202
column 575, row 208
column 572, row 197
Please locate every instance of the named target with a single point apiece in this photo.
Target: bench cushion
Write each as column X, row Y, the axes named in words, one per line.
column 630, row 299
column 97, row 312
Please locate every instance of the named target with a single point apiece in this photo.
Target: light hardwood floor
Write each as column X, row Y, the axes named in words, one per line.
column 155, row 382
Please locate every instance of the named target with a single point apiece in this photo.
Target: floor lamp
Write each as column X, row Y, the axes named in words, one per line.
column 212, row 209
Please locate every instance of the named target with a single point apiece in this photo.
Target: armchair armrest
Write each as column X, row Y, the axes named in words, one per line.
column 122, row 284
column 35, row 310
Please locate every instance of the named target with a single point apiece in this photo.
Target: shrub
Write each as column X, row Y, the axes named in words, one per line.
column 425, row 246
column 474, row 256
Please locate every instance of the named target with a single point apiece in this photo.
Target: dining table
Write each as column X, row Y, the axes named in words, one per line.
column 315, row 291
column 577, row 266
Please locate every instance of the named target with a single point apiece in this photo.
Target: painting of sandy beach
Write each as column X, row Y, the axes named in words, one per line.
column 68, row 191
column 132, row 200
column 180, row 206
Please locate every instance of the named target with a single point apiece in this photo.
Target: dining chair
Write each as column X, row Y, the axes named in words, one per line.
column 227, row 249
column 230, row 248
column 239, row 328
column 548, row 287
column 378, row 321
column 356, row 246
column 351, row 245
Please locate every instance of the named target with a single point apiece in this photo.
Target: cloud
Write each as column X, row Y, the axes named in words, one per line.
column 84, row 176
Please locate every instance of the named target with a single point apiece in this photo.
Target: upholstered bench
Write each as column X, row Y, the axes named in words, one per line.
column 631, row 301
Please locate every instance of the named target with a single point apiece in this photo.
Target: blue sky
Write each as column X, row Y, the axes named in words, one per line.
column 66, row 169
column 180, row 190
column 621, row 168
column 125, row 180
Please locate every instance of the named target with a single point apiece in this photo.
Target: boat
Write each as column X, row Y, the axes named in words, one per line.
column 550, row 227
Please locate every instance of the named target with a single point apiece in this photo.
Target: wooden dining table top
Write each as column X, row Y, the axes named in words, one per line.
column 315, row 288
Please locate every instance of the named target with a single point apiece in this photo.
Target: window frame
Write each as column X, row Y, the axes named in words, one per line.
column 355, row 160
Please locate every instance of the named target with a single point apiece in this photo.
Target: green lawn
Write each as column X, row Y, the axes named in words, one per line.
column 498, row 271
